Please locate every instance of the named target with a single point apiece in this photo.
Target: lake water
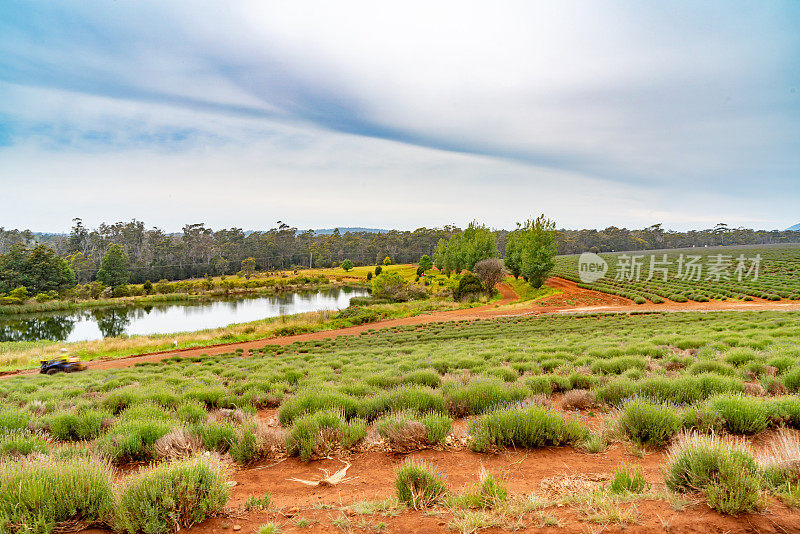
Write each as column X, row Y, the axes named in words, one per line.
column 88, row 324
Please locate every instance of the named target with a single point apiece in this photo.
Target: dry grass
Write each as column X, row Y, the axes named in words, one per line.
column 407, row 437
column 578, row 399
column 754, row 389
column 783, row 452
column 178, row 443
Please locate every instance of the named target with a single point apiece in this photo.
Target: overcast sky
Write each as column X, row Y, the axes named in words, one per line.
column 399, row 114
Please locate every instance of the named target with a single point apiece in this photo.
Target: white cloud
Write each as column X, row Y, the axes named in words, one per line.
column 240, row 114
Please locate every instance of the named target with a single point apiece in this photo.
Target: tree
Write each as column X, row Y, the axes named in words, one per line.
column 463, row 251
column 378, row 270
column 491, row 272
column 425, row 264
column 38, row 269
column 387, row 260
column 468, row 284
column 114, row 267
column 347, row 265
column 531, row 249
column 248, row 267
column 148, row 287
column 389, row 285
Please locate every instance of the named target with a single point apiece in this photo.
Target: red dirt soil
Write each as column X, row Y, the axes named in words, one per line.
column 372, row 473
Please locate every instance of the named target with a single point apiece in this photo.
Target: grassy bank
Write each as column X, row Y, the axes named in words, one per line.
column 26, row 355
column 526, row 292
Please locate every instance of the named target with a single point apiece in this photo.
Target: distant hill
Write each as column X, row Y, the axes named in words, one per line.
column 344, row 230
column 794, row 228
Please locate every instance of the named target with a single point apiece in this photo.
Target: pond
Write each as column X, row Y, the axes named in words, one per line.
column 168, row 318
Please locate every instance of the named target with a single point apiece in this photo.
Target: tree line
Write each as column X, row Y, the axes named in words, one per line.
column 197, row 251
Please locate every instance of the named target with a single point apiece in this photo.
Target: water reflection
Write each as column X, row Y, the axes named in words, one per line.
column 168, row 318
column 53, row 328
column 113, row 322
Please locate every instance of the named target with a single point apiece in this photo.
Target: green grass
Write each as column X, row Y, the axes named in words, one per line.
column 628, row 480
column 527, row 292
column 419, row 484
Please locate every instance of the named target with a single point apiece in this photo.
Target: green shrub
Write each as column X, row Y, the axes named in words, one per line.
column 210, row 395
column 791, row 379
column 423, row 377
column 523, row 427
column 191, row 412
column 702, row 418
column 320, row 433
column 21, row 443
column 711, row 366
column 314, row 401
column 618, row 365
column 741, row 415
column 548, row 384
column 490, row 493
column 13, row 419
column 417, row 398
column 116, row 401
column 168, row 497
column 216, row 435
column 39, row 495
column 479, row 395
column 741, row 355
column 468, row 285
column 419, row 484
column 648, row 423
column 133, row 439
column 628, row 480
column 253, row 443
column 506, row 374
column 723, row 470
column 616, row 391
column 581, row 380
column 76, row 426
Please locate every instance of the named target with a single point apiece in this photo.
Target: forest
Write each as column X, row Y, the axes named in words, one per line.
column 154, row 254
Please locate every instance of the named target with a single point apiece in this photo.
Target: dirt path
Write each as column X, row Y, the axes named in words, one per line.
column 572, row 299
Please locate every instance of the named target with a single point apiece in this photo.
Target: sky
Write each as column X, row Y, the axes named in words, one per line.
column 399, row 114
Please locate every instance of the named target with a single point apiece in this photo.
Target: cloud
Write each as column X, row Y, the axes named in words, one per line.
column 655, row 103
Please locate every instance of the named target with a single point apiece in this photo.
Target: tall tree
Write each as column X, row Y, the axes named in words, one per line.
column 39, row 269
column 464, row 250
column 531, row 250
column 114, row 269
